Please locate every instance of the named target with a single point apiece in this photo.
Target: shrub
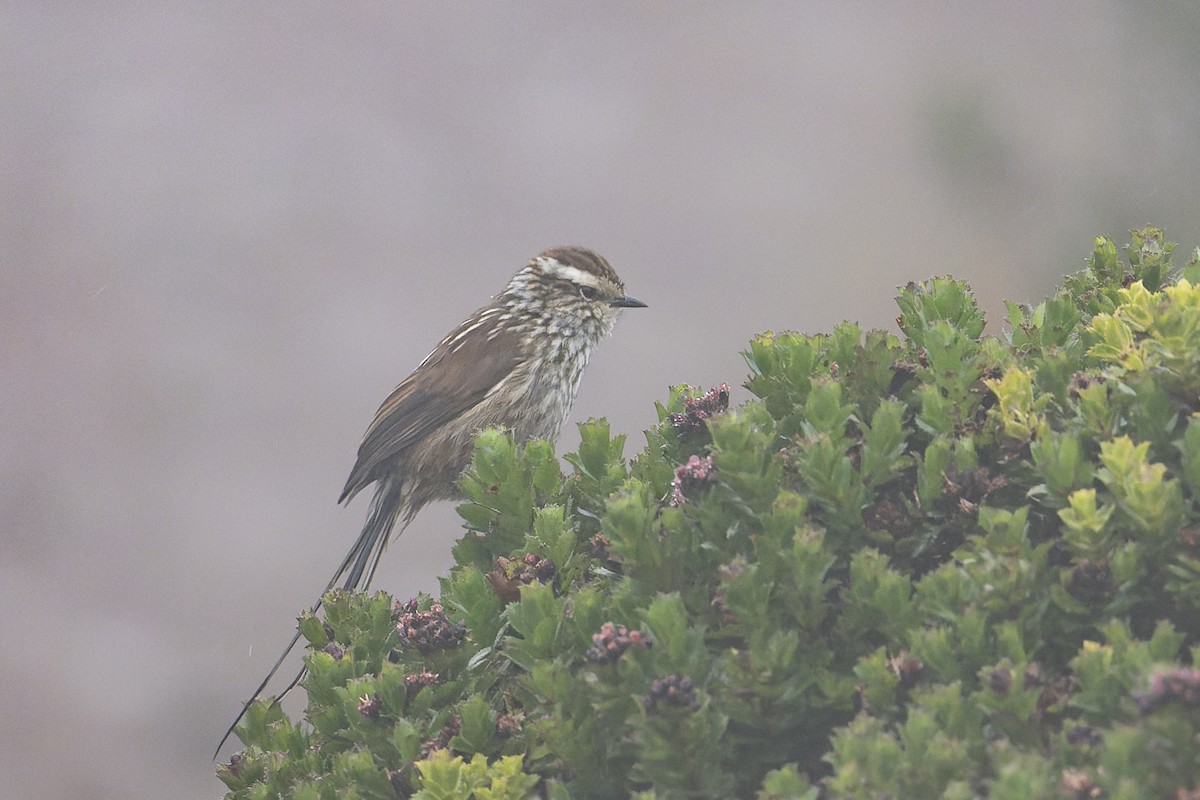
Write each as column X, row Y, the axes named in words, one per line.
column 931, row 566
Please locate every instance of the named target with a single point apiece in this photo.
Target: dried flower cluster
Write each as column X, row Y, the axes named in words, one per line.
column 418, row 681
column 1092, row 582
column 369, row 705
column 612, row 641
column 1084, row 735
column 1181, row 685
column 598, row 547
column 507, row 726
column 426, row 631
column 673, row 690
column 1077, row 783
column 691, row 478
column 442, row 740
column 510, row 574
column 691, row 421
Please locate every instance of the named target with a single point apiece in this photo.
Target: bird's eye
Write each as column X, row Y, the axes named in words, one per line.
column 589, row 292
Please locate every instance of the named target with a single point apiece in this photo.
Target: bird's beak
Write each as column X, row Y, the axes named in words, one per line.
column 627, row 302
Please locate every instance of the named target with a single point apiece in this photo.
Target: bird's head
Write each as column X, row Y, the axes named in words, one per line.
column 572, row 285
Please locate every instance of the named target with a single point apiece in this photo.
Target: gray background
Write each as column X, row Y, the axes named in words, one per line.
column 229, row 229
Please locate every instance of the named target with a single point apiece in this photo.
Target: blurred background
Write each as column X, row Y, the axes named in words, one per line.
column 228, row 230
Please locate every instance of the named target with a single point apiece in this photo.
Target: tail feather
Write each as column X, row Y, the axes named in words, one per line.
column 358, row 568
column 385, row 508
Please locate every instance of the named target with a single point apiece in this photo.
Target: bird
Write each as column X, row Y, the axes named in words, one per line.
column 516, row 363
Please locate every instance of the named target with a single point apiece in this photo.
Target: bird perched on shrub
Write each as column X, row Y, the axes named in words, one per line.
column 516, row 363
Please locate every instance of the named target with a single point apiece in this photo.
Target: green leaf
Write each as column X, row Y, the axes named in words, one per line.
column 884, row 442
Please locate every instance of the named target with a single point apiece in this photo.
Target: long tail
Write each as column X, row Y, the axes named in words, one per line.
column 358, row 568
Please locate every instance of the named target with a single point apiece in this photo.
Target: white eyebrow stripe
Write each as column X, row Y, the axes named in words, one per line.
column 573, row 274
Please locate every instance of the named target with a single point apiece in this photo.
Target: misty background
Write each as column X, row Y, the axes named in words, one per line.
column 228, row 230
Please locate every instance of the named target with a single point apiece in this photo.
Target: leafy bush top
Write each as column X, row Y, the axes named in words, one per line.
column 941, row 565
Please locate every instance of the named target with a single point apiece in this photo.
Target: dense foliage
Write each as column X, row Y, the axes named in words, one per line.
column 937, row 566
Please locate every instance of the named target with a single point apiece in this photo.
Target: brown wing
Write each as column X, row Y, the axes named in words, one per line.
column 455, row 377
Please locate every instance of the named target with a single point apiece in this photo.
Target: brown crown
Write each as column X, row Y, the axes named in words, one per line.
column 583, row 259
